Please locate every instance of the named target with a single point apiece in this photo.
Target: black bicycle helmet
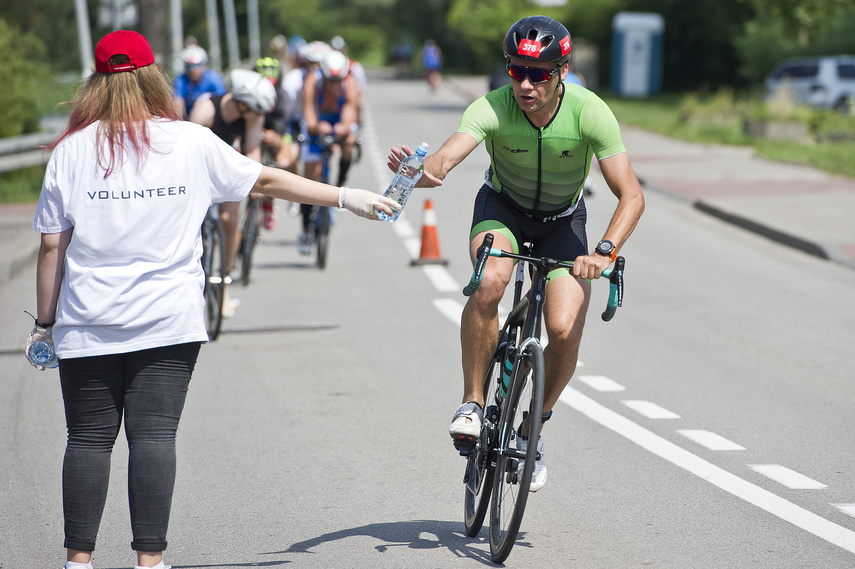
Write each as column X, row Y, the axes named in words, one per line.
column 538, row 38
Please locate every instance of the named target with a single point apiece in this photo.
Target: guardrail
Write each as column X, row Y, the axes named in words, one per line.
column 20, row 152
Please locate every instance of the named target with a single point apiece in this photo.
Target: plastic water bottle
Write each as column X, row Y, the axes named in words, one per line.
column 409, row 172
column 42, row 353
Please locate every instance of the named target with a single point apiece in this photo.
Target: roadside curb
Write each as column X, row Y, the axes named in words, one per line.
column 768, row 232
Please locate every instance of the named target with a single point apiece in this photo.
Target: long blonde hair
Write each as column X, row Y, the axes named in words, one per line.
column 121, row 103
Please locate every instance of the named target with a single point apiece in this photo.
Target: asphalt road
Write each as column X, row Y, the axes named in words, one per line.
column 709, row 424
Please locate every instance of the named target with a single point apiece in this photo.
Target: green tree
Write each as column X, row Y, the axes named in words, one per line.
column 21, row 74
column 805, row 27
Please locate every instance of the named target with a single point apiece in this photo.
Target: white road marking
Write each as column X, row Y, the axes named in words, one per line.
column 846, row 508
column 719, row 477
column 650, row 410
column 789, row 478
column 601, row 383
column 441, row 278
column 709, row 440
column 449, row 308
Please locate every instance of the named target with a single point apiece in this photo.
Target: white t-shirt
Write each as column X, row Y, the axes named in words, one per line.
column 133, row 278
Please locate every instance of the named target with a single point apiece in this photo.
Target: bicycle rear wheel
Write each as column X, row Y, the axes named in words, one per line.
column 214, row 265
column 512, row 477
column 249, row 239
column 480, row 464
column 322, row 232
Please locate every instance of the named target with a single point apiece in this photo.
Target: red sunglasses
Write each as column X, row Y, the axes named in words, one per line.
column 535, row 74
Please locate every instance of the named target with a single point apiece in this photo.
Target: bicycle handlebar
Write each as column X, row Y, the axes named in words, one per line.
column 615, row 275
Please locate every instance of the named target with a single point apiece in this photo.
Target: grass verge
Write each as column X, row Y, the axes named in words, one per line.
column 718, row 119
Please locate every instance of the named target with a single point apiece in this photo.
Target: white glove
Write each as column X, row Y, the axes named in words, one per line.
column 365, row 203
column 38, row 334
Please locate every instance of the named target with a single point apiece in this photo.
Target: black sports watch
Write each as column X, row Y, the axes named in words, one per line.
column 607, row 249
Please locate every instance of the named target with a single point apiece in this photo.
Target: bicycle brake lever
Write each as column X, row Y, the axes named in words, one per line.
column 482, row 254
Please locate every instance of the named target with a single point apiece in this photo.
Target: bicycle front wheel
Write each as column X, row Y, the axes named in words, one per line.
column 480, row 464
column 214, row 265
column 249, row 239
column 322, row 233
column 512, row 477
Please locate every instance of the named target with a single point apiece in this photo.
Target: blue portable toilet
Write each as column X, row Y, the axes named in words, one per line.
column 637, row 53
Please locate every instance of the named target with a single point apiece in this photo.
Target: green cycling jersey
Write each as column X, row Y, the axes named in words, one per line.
column 543, row 169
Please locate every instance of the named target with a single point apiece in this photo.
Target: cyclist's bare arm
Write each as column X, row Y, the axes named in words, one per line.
column 621, row 179
column 253, row 136
column 310, row 98
column 437, row 165
column 349, row 110
column 203, row 112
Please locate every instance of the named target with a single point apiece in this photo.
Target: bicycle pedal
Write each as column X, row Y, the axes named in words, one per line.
column 465, row 445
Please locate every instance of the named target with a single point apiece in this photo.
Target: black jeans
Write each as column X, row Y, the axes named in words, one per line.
column 148, row 387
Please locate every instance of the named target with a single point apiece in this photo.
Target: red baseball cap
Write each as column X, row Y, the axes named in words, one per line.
column 122, row 42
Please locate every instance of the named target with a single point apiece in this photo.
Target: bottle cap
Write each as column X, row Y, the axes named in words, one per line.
column 422, row 149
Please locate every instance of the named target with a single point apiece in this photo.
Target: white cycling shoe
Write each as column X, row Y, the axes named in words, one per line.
column 466, row 421
column 538, row 475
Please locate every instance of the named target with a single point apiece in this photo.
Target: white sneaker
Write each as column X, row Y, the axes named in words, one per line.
column 538, row 476
column 466, row 421
column 74, row 565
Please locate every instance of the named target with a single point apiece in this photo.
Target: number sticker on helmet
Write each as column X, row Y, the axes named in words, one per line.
column 530, row 48
column 565, row 45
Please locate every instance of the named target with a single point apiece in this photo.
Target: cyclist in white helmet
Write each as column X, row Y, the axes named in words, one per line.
column 330, row 107
column 196, row 80
column 237, row 118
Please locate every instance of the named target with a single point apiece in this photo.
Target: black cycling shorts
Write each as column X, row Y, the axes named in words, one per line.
column 562, row 238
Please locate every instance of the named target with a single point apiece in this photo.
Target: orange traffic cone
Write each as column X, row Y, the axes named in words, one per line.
column 429, row 254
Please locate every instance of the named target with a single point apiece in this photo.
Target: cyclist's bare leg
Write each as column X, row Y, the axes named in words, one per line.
column 346, row 158
column 229, row 218
column 312, row 170
column 566, row 306
column 479, row 326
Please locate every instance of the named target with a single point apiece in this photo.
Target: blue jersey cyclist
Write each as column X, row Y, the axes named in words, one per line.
column 331, row 99
column 541, row 135
column 196, row 80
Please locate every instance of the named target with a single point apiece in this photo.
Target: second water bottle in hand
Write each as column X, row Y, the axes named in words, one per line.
column 405, row 179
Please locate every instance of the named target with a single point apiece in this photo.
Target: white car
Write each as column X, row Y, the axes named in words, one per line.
column 820, row 82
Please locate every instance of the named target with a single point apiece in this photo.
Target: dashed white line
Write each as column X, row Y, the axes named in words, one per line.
column 846, row 508
column 449, row 308
column 441, row 278
column 772, row 503
column 709, row 440
column 650, row 410
column 601, row 383
column 789, row 478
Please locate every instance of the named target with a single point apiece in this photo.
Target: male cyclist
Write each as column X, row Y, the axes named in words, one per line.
column 540, row 134
column 237, row 117
column 330, row 107
column 196, row 80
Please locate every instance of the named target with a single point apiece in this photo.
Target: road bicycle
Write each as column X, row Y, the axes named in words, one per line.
column 320, row 218
column 214, row 266
column 498, row 474
column 250, row 237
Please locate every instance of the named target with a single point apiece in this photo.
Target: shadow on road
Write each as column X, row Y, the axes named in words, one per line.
column 417, row 534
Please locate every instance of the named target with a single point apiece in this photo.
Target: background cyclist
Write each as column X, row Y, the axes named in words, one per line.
column 196, row 80
column 330, row 107
column 238, row 119
column 274, row 148
column 540, row 134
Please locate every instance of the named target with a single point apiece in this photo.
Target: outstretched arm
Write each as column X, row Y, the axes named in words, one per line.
column 437, row 165
column 287, row 186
